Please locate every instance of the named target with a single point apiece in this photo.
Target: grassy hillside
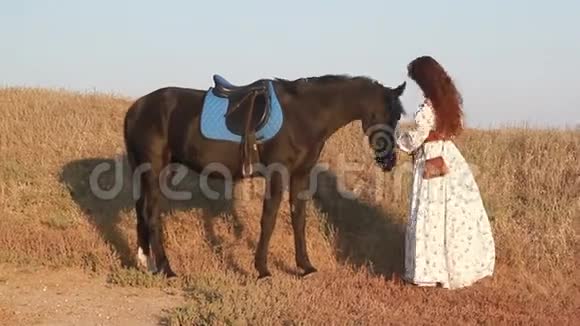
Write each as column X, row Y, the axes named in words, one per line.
column 51, row 141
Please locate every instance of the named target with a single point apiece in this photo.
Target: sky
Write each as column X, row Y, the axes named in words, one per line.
column 515, row 61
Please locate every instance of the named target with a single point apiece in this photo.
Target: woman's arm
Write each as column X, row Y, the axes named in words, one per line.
column 409, row 141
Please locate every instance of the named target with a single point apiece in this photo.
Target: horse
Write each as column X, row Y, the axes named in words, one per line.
column 238, row 129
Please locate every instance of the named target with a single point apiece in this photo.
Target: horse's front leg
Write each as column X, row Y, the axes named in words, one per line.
column 272, row 199
column 298, row 197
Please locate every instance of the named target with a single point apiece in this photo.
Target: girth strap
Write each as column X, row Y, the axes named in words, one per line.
column 249, row 147
column 237, row 97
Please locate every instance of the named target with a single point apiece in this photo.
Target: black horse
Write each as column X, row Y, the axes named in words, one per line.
column 271, row 128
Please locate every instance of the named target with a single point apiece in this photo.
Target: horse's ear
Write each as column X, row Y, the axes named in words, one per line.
column 400, row 89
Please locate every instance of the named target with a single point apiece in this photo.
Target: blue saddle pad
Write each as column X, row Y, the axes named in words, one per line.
column 213, row 120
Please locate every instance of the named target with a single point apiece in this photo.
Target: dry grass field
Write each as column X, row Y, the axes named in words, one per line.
column 66, row 256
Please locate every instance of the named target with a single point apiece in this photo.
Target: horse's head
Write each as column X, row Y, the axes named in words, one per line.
column 379, row 123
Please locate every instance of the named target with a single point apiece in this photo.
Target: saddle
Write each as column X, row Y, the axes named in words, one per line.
column 248, row 110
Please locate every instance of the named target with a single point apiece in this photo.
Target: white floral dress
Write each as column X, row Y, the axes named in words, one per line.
column 448, row 238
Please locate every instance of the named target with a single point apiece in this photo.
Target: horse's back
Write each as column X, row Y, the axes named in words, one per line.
column 164, row 100
column 165, row 125
column 152, row 117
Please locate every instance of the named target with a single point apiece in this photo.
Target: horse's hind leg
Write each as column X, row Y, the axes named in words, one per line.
column 151, row 231
column 298, row 198
column 144, row 257
column 143, row 251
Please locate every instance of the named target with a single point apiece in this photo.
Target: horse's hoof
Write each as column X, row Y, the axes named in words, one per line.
column 170, row 274
column 264, row 275
column 167, row 272
column 309, row 271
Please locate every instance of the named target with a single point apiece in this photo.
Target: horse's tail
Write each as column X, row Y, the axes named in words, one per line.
column 127, row 125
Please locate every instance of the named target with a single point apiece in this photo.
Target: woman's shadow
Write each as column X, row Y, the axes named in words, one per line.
column 103, row 189
column 364, row 235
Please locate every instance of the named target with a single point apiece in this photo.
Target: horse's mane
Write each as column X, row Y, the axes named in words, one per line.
column 344, row 80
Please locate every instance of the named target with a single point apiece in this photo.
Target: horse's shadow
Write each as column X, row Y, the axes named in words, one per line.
column 103, row 189
column 364, row 235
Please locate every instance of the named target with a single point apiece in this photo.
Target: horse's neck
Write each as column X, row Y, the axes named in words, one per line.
column 340, row 111
column 339, row 121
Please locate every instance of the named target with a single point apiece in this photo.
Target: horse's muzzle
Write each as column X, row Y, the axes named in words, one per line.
column 387, row 162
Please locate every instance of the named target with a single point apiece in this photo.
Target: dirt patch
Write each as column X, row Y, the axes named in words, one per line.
column 71, row 297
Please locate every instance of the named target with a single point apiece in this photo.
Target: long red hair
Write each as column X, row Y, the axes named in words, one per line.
column 439, row 88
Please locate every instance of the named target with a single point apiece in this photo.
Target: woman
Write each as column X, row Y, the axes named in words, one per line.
column 448, row 239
